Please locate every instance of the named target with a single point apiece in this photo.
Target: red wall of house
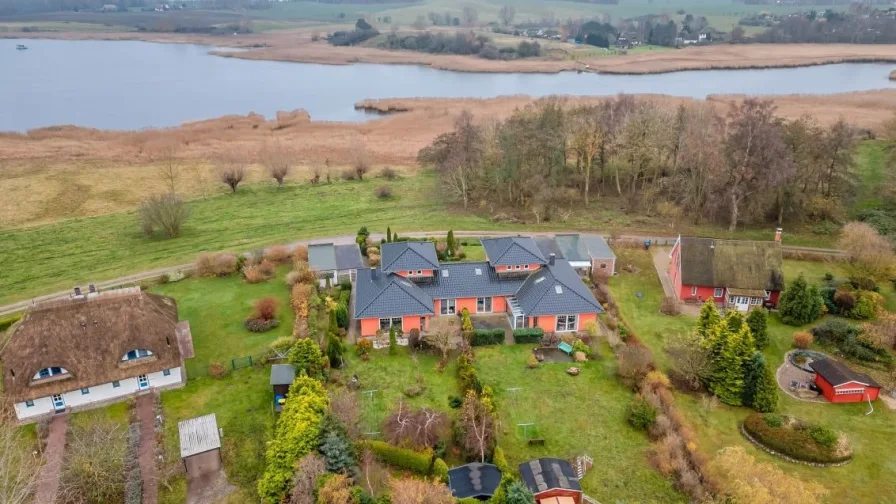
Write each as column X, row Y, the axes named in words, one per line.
column 499, row 304
column 468, row 303
column 369, row 326
column 413, row 322
column 559, row 492
column 828, row 391
column 584, row 318
column 532, row 267
column 426, row 273
column 548, row 323
column 703, row 293
column 674, row 270
column 773, row 297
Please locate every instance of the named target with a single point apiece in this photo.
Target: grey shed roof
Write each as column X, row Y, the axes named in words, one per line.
column 513, row 250
column 474, row 480
column 328, row 257
column 283, row 374
column 583, row 247
column 556, row 289
column 837, row 373
column 409, row 255
column 549, row 246
column 198, row 435
column 474, row 279
column 544, row 474
column 379, row 294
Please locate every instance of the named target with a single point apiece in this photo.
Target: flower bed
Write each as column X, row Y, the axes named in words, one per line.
column 797, row 439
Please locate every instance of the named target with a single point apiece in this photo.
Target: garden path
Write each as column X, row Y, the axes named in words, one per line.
column 146, row 415
column 49, row 473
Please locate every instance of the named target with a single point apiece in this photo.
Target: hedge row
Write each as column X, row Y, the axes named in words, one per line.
column 793, row 439
column 482, row 337
column 6, row 322
column 402, row 458
column 532, row 335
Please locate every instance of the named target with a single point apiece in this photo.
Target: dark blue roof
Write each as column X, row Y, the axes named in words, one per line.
column 544, row 474
column 511, row 251
column 474, row 480
column 409, row 255
column 459, row 280
column 556, row 289
column 379, row 294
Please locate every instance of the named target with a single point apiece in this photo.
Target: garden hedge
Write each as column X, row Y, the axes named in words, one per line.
column 532, row 335
column 481, row 337
column 402, row 458
column 792, row 438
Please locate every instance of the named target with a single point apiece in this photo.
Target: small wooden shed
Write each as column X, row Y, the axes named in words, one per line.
column 200, row 445
column 282, row 376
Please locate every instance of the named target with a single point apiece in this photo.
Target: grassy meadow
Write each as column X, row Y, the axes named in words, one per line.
column 869, row 477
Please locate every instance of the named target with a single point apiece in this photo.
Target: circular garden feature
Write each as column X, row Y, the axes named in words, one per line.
column 798, row 439
column 802, row 359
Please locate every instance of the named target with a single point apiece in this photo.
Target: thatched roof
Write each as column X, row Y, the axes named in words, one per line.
column 708, row 262
column 88, row 337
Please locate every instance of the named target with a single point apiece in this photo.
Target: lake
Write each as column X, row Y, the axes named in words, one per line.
column 133, row 85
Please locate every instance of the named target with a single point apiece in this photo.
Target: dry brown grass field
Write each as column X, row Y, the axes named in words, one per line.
column 65, row 172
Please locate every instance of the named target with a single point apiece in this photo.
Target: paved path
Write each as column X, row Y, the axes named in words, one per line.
column 347, row 239
column 146, row 456
column 49, row 474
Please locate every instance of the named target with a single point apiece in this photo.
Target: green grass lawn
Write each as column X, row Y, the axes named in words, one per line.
column 243, row 404
column 216, row 308
column 871, row 164
column 870, row 477
column 585, row 414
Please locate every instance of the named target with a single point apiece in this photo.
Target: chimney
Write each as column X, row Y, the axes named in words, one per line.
column 778, row 232
column 551, row 258
column 373, row 273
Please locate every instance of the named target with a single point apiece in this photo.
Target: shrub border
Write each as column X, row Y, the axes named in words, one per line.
column 788, row 458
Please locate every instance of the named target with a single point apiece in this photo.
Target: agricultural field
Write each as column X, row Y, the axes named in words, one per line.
column 867, row 478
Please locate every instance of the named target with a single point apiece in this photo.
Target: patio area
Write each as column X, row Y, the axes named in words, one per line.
column 794, row 379
column 488, row 322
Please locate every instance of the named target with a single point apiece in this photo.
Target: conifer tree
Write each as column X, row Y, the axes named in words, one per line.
column 755, row 369
column 766, row 397
column 451, row 244
column 800, row 303
column 388, row 234
column 393, row 340
column 758, row 322
column 734, row 320
column 728, row 378
column 709, row 318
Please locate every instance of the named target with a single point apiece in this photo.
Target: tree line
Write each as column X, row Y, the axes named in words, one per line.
column 466, row 43
column 864, row 26
column 748, row 166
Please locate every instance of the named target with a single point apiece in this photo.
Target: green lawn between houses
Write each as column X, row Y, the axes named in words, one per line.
column 870, row 477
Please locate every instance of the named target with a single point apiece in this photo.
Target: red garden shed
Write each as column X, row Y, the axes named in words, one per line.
column 552, row 481
column 839, row 384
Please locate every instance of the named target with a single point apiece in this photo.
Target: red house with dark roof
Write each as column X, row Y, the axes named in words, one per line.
column 840, row 384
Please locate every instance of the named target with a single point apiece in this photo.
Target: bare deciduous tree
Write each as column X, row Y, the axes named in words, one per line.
column 457, row 155
column 470, row 16
column 308, row 470
column 478, row 427
column 166, row 155
column 689, row 359
column 507, row 13
column 19, row 467
column 344, row 406
column 376, row 476
column 417, row 429
column 444, row 332
column 869, row 253
column 232, row 169
column 165, row 212
column 360, row 159
column 278, row 159
column 93, row 469
column 414, row 491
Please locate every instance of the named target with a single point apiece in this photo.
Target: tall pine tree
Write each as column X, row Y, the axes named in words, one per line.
column 451, row 244
column 800, row 303
column 765, row 399
column 388, row 234
column 727, row 356
column 709, row 318
column 758, row 322
column 755, row 370
column 734, row 320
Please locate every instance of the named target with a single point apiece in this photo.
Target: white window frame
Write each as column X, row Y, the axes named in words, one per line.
column 419, row 272
column 487, row 305
column 849, row 391
column 391, row 323
column 444, row 306
column 718, row 292
column 525, row 266
column 768, row 295
column 693, row 290
column 51, row 372
column 166, row 372
column 29, row 403
column 139, row 352
column 85, row 391
column 116, row 384
column 568, row 320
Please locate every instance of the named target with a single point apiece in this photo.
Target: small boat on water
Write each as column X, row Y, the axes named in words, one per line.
column 21, row 47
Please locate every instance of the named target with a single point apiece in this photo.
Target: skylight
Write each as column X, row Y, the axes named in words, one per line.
column 479, row 271
column 444, row 273
column 539, row 279
column 558, row 289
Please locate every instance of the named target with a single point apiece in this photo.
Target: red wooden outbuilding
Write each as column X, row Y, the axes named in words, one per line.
column 839, row 384
column 552, row 481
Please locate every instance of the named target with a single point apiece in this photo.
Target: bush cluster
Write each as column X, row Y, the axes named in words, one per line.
column 481, row 337
column 465, row 43
column 796, row 438
column 846, row 338
column 217, row 264
column 402, row 458
column 530, row 335
column 467, row 379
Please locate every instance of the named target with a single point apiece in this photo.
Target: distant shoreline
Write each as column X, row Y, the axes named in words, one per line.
column 296, row 46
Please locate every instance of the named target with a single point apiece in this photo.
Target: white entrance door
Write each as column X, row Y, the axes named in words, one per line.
column 58, row 402
column 142, row 381
column 741, row 303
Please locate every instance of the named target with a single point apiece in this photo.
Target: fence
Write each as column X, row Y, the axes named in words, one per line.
column 220, row 368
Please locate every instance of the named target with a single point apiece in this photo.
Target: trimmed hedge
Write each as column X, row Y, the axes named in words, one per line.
column 532, row 335
column 7, row 322
column 402, row 458
column 440, row 470
column 481, row 337
column 793, row 438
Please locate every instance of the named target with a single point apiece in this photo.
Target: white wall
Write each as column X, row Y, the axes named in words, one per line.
column 98, row 394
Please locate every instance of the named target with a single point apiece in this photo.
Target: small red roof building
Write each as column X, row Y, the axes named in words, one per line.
column 839, row 384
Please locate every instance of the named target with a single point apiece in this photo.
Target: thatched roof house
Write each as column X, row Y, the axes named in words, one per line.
column 90, row 341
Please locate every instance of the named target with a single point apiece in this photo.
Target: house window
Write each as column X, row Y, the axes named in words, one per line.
column 525, row 266
column 603, row 265
column 85, row 391
column 419, row 272
column 566, row 322
column 50, row 371
column 29, row 404
column 387, row 323
column 422, row 323
column 483, row 305
column 166, row 372
column 849, row 391
column 136, row 354
column 116, row 384
column 694, row 290
column 768, row 294
column 717, row 292
column 447, row 306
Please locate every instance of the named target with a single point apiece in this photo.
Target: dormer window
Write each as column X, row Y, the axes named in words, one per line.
column 49, row 372
column 136, row 354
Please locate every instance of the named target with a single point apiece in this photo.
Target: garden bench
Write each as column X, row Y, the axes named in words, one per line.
column 536, row 442
column 565, row 348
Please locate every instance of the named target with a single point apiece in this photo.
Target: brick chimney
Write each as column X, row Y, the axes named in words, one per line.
column 778, row 233
column 551, row 258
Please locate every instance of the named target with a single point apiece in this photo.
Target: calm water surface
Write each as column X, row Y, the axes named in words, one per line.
column 132, row 85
